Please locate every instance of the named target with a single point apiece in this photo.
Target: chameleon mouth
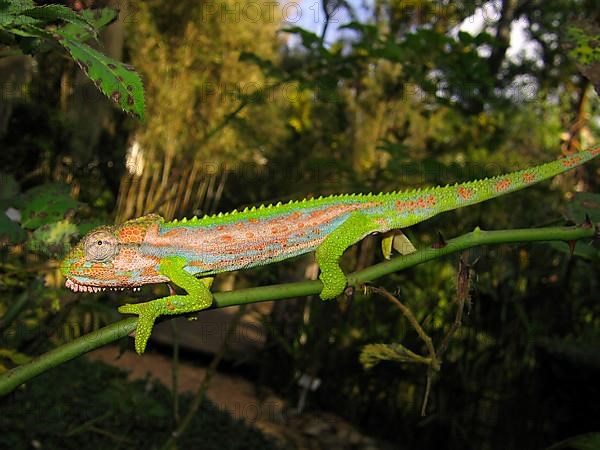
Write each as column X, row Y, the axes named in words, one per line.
column 79, row 287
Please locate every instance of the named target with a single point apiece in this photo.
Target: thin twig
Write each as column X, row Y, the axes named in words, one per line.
column 433, row 363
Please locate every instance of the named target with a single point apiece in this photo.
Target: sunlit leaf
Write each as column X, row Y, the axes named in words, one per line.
column 118, row 81
column 52, row 239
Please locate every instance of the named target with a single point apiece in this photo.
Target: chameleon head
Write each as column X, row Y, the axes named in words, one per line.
column 111, row 257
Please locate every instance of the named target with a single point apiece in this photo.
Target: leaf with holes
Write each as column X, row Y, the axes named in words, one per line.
column 118, row 81
column 46, row 204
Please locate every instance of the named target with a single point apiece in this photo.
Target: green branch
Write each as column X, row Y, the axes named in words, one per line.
column 13, row 378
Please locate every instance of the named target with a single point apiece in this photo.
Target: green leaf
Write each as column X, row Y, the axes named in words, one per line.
column 309, row 39
column 585, row 48
column 46, row 204
column 51, row 13
column 11, row 22
column 15, row 6
column 52, row 239
column 118, row 81
column 98, row 18
column 584, row 203
column 10, row 232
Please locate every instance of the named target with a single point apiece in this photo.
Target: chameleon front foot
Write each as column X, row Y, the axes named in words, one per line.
column 147, row 316
column 198, row 298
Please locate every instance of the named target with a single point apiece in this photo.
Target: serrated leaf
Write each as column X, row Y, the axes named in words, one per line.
column 118, row 81
column 50, row 13
column 12, row 23
column 97, row 17
column 52, row 239
column 10, row 232
column 15, row 6
column 46, row 204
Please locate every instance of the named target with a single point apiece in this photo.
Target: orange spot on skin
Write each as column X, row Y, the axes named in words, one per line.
column 249, row 235
column 253, row 220
column 528, row 178
column 317, row 231
column 502, row 185
column 220, row 227
column 595, row 151
column 465, row 193
column 420, row 203
column 227, row 238
column 296, row 215
column 131, row 234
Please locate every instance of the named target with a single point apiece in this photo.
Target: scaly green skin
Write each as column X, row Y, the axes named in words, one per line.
column 150, row 250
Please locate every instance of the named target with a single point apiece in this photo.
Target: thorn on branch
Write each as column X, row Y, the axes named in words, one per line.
column 571, row 245
column 440, row 243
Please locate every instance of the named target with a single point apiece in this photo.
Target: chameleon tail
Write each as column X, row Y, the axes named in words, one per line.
column 472, row 192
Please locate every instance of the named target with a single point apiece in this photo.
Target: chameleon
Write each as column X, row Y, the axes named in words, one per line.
column 188, row 252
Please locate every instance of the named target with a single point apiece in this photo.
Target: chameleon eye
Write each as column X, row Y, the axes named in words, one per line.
column 100, row 246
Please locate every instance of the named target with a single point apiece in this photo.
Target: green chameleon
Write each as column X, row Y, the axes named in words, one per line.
column 150, row 250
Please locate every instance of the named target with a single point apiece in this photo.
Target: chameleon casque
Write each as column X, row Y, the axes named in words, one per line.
column 151, row 250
